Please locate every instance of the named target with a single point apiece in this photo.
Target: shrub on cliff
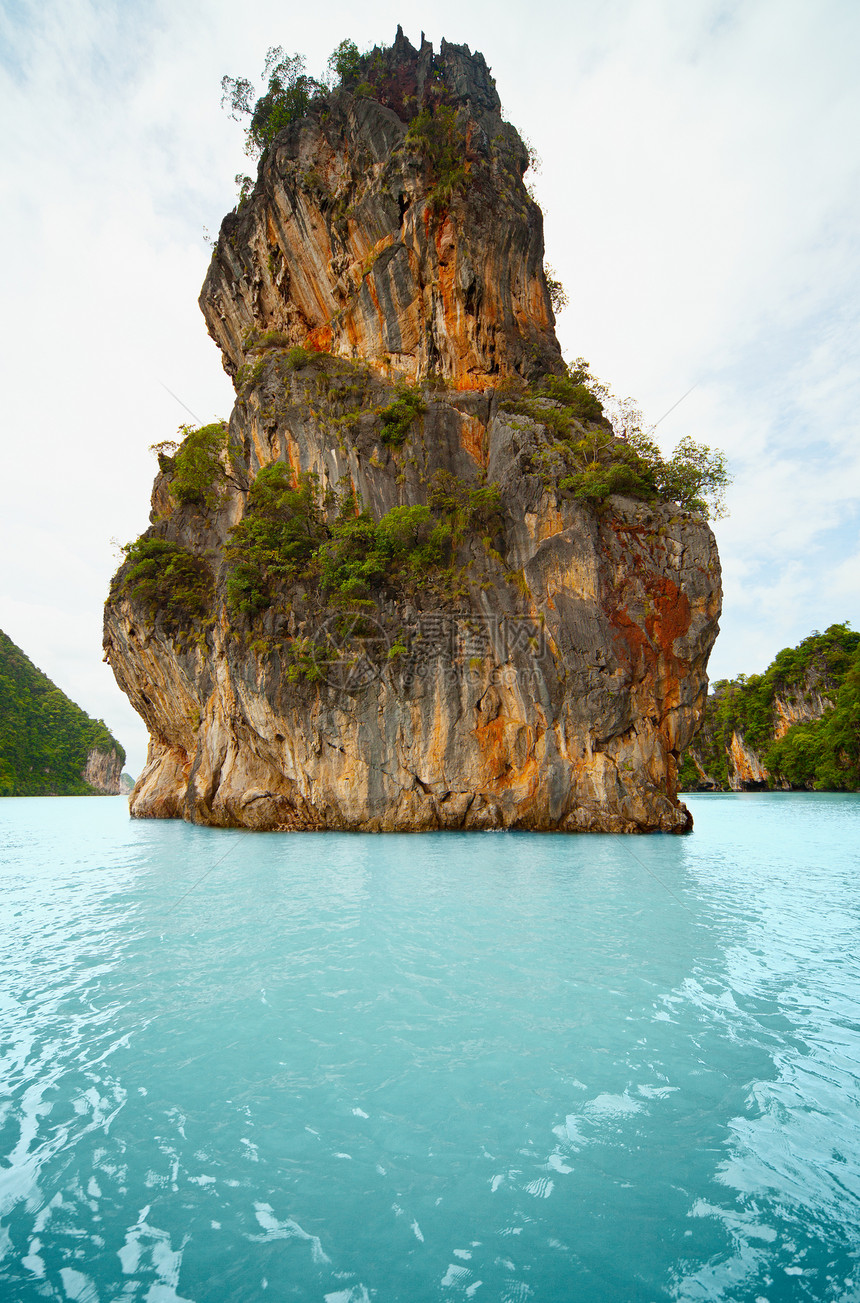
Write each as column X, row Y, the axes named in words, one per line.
column 397, row 418
column 695, row 476
column 291, row 91
column 592, row 458
column 467, row 507
column 574, row 395
column 435, row 134
column 363, row 557
column 280, row 531
column 346, row 64
column 600, row 479
column 285, row 536
column 165, row 578
column 557, row 293
column 195, row 469
column 288, row 96
column 583, row 456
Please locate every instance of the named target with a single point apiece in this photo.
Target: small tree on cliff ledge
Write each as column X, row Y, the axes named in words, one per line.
column 287, row 97
column 695, row 476
column 289, row 92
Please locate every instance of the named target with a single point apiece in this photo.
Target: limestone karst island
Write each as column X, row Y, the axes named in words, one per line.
column 415, row 581
column 48, row 745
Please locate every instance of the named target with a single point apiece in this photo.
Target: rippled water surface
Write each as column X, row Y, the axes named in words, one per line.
column 491, row 1066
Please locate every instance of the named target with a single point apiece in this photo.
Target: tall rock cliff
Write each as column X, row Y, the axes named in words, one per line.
column 396, row 590
column 351, row 242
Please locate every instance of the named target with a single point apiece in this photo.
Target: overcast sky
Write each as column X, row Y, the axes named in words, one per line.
column 700, row 184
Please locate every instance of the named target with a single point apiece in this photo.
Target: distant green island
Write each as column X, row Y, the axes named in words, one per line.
column 797, row 726
column 48, row 745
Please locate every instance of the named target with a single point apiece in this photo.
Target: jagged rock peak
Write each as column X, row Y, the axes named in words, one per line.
column 392, row 224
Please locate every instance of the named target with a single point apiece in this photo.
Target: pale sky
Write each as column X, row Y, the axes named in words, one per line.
column 700, row 178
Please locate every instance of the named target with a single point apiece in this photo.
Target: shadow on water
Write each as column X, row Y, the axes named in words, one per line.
column 438, row 1067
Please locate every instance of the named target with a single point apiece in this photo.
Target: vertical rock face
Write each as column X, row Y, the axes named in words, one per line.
column 352, row 240
column 747, row 769
column 800, row 707
column 102, row 771
column 514, row 657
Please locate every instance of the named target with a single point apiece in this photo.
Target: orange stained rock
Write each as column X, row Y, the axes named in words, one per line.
column 437, row 743
column 359, row 247
column 810, row 705
column 294, row 455
column 748, row 767
column 671, row 616
column 374, row 298
column 350, row 327
column 495, row 740
column 321, row 339
column 472, row 438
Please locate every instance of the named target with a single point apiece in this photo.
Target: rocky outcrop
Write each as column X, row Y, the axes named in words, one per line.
column 560, row 704
column 747, row 769
column 351, row 240
column 102, row 771
column 545, row 666
column 736, row 747
column 800, row 707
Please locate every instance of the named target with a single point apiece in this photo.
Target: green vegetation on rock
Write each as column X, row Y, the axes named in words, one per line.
column 589, row 459
column 165, row 579
column 557, row 293
column 398, row 416
column 346, row 64
column 824, row 754
column 821, row 754
column 397, row 554
column 291, row 90
column 195, row 469
column 280, row 531
column 45, row 738
column 437, row 137
column 288, row 95
column 285, row 538
column 468, row 508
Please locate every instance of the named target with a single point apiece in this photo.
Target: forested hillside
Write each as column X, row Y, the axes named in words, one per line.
column 47, row 743
column 795, row 726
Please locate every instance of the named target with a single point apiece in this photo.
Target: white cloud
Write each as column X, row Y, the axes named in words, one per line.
column 700, row 179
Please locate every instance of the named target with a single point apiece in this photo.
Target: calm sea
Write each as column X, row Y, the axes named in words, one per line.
column 509, row 1067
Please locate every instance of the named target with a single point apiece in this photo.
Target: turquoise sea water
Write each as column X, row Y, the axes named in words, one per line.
column 479, row 1066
